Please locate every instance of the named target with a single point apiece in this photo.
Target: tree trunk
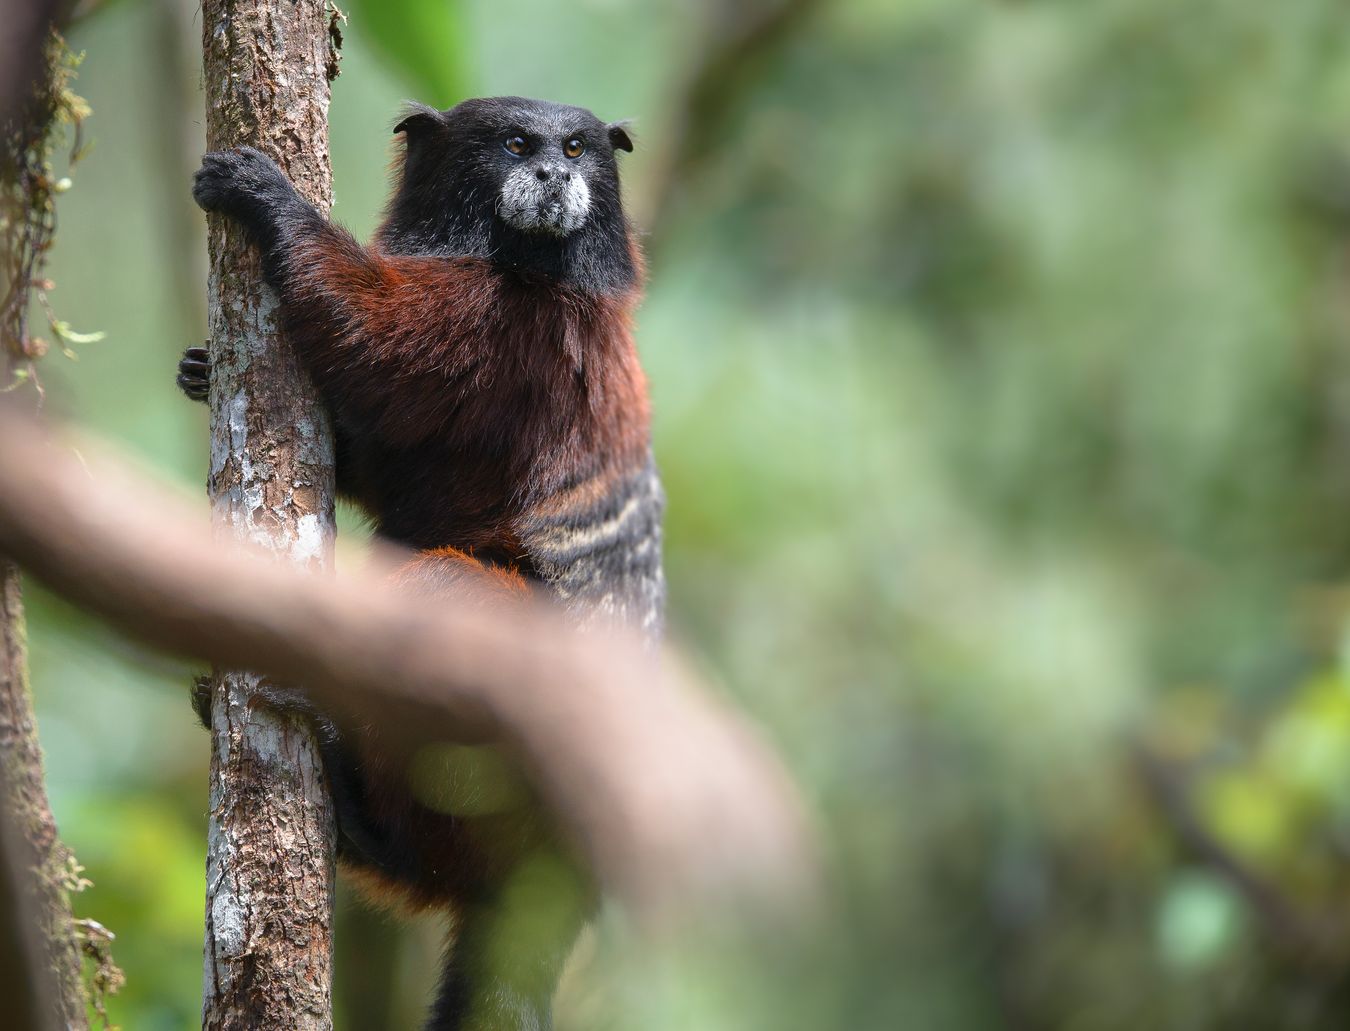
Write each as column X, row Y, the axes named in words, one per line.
column 38, row 868
column 22, row 984
column 270, row 852
column 34, row 853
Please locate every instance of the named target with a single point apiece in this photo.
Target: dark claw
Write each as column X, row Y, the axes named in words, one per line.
column 194, row 390
column 194, row 373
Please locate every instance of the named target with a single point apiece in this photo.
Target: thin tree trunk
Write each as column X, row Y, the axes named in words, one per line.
column 33, row 851
column 22, row 983
column 270, row 852
column 38, row 867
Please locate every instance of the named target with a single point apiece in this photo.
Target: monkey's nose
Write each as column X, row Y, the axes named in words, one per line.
column 544, row 173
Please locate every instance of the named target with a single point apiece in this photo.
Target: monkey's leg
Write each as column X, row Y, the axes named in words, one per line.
column 510, row 941
column 453, row 574
column 360, row 841
column 509, row 949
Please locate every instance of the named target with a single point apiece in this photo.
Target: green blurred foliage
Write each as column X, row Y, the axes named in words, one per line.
column 425, row 40
column 999, row 357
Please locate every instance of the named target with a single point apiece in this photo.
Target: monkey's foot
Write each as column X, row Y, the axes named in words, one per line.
column 201, row 699
column 194, row 373
column 286, row 700
column 290, row 701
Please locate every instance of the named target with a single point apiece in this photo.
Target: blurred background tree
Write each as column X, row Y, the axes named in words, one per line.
column 999, row 357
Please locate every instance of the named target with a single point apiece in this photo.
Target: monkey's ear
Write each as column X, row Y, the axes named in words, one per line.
column 419, row 117
column 618, row 136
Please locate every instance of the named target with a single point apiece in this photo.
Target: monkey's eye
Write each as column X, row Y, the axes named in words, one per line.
column 574, row 148
column 516, row 145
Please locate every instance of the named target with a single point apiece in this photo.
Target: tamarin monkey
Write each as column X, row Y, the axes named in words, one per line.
column 490, row 414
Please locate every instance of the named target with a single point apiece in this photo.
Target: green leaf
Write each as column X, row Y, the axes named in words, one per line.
column 424, row 40
column 63, row 330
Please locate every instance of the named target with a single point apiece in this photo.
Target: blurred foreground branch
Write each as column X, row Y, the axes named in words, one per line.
column 674, row 802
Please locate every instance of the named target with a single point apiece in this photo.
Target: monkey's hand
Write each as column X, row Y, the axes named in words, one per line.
column 243, row 183
column 194, row 373
column 246, row 185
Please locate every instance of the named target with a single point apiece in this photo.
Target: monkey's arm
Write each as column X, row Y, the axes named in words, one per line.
column 385, row 338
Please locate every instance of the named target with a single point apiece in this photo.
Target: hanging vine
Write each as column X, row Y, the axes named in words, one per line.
column 29, row 186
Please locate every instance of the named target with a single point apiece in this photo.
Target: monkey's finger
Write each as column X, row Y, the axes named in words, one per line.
column 196, row 389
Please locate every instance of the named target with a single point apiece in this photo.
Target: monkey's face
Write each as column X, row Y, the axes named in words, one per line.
column 544, row 187
column 525, row 182
column 549, row 160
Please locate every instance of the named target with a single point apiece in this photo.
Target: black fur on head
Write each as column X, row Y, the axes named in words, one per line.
column 530, row 185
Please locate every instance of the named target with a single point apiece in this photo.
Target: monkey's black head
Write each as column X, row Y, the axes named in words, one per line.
column 528, row 184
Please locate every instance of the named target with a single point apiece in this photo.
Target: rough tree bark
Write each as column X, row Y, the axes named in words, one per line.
column 270, row 851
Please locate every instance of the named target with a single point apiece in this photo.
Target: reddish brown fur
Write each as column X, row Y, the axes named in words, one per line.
column 538, row 387
column 443, row 571
column 495, row 421
column 490, row 397
column 451, row 858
